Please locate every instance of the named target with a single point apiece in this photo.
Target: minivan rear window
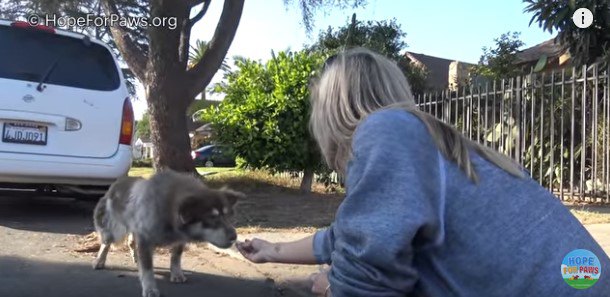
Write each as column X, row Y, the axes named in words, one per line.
column 27, row 54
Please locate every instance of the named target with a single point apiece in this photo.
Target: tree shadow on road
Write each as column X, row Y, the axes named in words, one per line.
column 270, row 204
column 46, row 214
column 26, row 277
column 276, row 202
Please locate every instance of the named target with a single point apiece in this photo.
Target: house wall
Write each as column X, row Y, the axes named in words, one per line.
column 142, row 150
column 459, row 74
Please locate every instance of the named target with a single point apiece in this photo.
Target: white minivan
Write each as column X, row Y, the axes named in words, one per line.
column 66, row 117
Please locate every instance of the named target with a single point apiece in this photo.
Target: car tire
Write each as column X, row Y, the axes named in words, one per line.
column 208, row 164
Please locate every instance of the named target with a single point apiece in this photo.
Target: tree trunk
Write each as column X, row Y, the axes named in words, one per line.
column 169, row 131
column 307, row 181
column 170, row 85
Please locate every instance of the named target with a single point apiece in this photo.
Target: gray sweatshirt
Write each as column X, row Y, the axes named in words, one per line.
column 412, row 224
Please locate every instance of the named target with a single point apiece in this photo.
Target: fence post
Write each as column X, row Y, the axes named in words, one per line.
column 518, row 152
column 446, row 106
column 607, row 134
column 594, row 133
column 468, row 120
column 552, row 129
column 583, row 146
column 572, row 128
column 541, row 135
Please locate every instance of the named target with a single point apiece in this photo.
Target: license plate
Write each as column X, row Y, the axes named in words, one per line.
column 26, row 133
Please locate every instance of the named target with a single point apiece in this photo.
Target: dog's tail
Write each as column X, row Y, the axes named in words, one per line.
column 108, row 229
column 99, row 214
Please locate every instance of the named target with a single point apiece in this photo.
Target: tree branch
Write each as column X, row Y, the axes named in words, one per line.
column 193, row 3
column 134, row 58
column 202, row 73
column 183, row 47
column 201, row 13
column 185, row 32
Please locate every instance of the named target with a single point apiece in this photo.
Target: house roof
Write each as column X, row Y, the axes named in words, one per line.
column 549, row 48
column 438, row 69
column 145, row 139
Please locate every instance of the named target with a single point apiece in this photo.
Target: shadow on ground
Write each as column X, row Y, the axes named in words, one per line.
column 277, row 202
column 603, row 209
column 46, row 214
column 267, row 206
column 20, row 277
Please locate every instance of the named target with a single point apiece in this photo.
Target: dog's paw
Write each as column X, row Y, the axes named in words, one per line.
column 177, row 277
column 97, row 264
column 151, row 292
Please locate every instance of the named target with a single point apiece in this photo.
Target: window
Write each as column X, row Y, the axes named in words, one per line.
column 28, row 54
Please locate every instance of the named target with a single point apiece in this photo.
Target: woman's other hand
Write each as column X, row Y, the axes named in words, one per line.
column 320, row 285
column 256, row 250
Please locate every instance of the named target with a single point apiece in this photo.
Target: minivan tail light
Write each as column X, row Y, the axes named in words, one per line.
column 126, row 123
column 26, row 25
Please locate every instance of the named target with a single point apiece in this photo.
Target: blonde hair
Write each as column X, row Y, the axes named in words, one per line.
column 358, row 82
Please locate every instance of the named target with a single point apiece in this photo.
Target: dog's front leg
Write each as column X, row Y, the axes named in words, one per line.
column 145, row 267
column 131, row 243
column 176, row 274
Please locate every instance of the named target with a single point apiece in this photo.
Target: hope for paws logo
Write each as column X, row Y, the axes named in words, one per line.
column 581, row 269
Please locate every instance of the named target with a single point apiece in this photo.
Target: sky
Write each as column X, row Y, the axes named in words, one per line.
column 451, row 29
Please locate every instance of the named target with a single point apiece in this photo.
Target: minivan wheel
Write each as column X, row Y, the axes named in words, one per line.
column 209, row 164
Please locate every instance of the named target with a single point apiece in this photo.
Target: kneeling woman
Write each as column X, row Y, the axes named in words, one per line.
column 427, row 211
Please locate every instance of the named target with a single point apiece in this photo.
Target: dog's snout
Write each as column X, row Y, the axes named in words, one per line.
column 233, row 236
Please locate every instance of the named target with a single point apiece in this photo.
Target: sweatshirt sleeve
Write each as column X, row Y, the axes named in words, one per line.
column 394, row 206
column 323, row 242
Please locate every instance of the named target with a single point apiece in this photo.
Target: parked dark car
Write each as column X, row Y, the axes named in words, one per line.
column 213, row 156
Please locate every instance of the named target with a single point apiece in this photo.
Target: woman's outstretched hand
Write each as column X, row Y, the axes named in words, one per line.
column 256, row 250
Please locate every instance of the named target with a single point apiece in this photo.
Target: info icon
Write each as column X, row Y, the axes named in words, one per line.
column 582, row 18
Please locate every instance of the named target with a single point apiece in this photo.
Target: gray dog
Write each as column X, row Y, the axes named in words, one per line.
column 169, row 209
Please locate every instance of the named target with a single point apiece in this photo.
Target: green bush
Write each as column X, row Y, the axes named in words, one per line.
column 142, row 163
column 264, row 116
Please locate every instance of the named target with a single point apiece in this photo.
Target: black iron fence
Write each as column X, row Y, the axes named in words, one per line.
column 555, row 124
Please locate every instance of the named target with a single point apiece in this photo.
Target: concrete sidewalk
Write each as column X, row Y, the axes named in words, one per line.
column 601, row 233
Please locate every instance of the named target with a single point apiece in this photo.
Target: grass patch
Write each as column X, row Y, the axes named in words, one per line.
column 581, row 283
column 243, row 180
column 259, row 180
column 141, row 171
column 147, row 171
column 590, row 214
column 215, row 169
column 591, row 217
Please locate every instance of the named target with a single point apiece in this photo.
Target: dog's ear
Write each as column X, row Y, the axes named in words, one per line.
column 187, row 212
column 232, row 195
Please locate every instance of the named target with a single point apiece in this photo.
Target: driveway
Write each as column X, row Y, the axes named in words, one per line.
column 38, row 237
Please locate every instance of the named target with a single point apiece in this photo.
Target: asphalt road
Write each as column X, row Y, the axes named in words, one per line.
column 37, row 258
column 38, row 238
